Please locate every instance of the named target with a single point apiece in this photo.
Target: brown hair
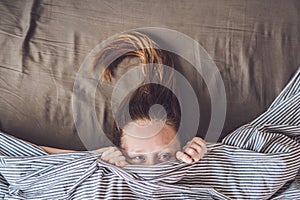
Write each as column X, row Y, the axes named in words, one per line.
column 139, row 102
column 134, row 44
column 137, row 105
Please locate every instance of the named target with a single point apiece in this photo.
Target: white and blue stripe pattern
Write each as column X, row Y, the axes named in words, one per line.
column 260, row 160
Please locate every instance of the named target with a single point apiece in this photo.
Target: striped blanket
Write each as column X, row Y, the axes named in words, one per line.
column 260, row 160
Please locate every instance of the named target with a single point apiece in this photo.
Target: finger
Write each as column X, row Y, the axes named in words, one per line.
column 203, row 151
column 121, row 163
column 199, row 141
column 183, row 157
column 198, row 148
column 111, row 155
column 193, row 153
column 187, row 145
column 202, row 143
column 101, row 150
column 203, row 148
column 114, row 159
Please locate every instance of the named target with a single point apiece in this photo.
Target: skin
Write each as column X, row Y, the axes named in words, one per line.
column 157, row 144
column 162, row 145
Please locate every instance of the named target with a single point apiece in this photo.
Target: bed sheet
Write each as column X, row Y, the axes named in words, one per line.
column 260, row 160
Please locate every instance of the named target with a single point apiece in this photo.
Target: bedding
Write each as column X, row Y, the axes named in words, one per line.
column 259, row 160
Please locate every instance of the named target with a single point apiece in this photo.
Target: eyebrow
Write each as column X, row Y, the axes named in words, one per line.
column 137, row 151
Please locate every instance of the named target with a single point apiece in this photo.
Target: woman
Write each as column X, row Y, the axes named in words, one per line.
column 160, row 142
column 145, row 140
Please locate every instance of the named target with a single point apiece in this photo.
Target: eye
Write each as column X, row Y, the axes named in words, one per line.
column 137, row 159
column 165, row 157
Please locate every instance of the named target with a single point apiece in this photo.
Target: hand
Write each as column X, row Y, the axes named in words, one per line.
column 193, row 151
column 112, row 155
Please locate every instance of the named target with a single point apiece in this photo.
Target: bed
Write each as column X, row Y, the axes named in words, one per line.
column 259, row 160
column 254, row 45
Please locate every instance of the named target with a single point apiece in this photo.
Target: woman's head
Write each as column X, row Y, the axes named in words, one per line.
column 161, row 145
column 148, row 119
column 147, row 122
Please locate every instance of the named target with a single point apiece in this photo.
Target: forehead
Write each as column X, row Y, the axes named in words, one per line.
column 147, row 129
column 135, row 138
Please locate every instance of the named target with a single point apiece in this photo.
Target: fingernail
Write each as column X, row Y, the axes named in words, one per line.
column 179, row 153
